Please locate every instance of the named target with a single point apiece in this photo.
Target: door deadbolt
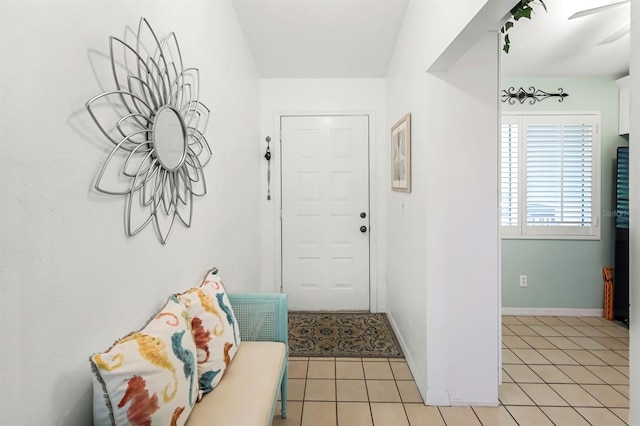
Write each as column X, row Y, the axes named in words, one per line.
column 363, row 215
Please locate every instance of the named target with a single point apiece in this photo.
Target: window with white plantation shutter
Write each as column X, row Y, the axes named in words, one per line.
column 509, row 176
column 549, row 176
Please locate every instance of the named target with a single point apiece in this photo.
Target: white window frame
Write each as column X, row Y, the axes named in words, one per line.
column 521, row 231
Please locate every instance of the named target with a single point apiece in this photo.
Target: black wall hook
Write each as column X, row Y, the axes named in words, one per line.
column 267, row 155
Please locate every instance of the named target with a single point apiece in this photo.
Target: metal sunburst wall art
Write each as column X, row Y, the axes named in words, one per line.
column 156, row 122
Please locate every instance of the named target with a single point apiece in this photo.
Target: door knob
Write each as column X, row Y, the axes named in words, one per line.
column 363, row 215
column 363, row 228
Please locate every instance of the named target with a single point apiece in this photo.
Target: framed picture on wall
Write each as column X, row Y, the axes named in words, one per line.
column 401, row 155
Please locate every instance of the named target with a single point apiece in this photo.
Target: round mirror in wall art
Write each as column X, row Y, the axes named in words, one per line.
column 170, row 138
column 155, row 120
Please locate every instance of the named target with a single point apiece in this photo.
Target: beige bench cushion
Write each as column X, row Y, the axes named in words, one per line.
column 246, row 394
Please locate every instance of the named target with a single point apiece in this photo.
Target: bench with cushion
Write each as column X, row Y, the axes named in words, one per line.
column 248, row 391
column 206, row 358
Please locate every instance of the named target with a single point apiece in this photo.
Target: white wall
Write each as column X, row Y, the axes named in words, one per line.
column 462, row 229
column 574, row 266
column 323, row 96
column 442, row 291
column 71, row 281
column 406, row 212
column 634, row 227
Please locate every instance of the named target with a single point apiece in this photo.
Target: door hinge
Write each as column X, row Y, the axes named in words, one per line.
column 281, row 214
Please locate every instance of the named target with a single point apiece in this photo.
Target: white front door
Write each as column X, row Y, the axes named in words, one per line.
column 325, row 212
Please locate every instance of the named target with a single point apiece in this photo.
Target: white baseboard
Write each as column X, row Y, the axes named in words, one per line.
column 553, row 312
column 422, row 388
column 438, row 399
column 474, row 403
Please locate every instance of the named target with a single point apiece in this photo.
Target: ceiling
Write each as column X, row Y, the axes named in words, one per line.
column 551, row 45
column 356, row 38
column 321, row 38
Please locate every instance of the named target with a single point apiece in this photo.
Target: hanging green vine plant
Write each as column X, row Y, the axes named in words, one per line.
column 522, row 9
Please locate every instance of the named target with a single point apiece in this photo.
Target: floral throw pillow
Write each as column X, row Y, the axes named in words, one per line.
column 149, row 377
column 215, row 328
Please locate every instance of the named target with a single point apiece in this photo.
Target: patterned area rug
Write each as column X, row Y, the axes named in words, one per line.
column 342, row 335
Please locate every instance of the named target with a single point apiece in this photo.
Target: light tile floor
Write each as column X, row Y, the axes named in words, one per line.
column 562, row 371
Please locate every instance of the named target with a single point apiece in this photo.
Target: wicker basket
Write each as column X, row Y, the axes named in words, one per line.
column 607, row 275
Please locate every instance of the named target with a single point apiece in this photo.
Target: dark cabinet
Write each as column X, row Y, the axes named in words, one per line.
column 621, row 276
column 621, row 245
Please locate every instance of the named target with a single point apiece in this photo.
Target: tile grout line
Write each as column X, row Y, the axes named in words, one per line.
column 304, row 391
column 613, row 412
column 540, row 408
column 537, row 351
column 404, row 408
column 366, row 387
column 582, row 385
column 477, row 417
column 510, row 414
column 335, row 386
column 579, row 363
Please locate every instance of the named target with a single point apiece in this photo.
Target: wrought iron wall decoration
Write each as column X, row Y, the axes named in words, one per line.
column 156, row 122
column 533, row 95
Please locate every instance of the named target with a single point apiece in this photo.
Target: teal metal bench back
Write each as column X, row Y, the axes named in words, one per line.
column 264, row 317
column 261, row 317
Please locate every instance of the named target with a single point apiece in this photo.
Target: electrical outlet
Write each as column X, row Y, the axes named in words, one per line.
column 523, row 280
